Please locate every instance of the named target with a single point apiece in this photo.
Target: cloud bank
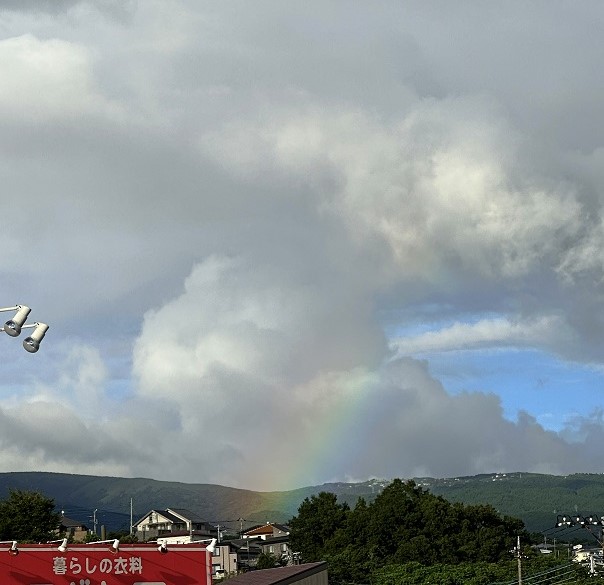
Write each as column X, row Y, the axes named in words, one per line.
column 249, row 227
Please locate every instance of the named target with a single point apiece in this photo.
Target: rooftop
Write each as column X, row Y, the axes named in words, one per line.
column 280, row 575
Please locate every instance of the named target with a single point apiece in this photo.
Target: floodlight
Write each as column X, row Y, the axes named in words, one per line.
column 13, row 326
column 564, row 521
column 115, row 546
column 13, row 550
column 32, row 342
column 209, row 547
column 163, row 548
column 62, row 547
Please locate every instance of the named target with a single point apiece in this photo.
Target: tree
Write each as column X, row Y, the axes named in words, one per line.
column 266, row 561
column 395, row 518
column 28, row 517
column 350, row 560
column 546, row 571
column 405, row 524
column 319, row 518
column 123, row 536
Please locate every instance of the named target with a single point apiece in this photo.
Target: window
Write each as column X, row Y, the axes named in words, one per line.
column 215, row 568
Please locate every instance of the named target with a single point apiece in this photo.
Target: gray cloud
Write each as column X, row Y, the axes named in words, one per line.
column 35, row 6
column 118, row 9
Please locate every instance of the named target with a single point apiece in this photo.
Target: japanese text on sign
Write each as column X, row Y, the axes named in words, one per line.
column 87, row 566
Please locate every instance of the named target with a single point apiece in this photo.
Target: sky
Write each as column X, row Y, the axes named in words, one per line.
column 280, row 244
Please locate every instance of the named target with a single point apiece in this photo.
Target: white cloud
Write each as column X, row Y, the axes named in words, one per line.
column 486, row 333
column 46, row 80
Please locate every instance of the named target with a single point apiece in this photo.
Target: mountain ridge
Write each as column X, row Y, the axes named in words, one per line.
column 535, row 498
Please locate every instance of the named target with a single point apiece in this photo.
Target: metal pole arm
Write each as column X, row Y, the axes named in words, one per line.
column 3, row 309
column 27, row 326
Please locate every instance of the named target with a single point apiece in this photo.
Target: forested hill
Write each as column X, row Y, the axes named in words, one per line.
column 535, row 498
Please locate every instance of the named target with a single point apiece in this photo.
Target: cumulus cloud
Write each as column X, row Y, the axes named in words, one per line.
column 419, row 185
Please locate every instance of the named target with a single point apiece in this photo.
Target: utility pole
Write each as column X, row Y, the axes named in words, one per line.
column 519, row 557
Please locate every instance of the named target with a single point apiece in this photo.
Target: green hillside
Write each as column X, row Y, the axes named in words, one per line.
column 535, row 498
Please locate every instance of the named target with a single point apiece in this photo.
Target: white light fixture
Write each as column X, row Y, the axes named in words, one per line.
column 13, row 550
column 62, row 547
column 114, row 548
column 209, row 547
column 13, row 327
column 32, row 342
column 163, row 548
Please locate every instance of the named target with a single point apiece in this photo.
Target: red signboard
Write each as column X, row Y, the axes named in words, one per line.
column 100, row 564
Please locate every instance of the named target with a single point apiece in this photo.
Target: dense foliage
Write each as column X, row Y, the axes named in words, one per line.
column 404, row 524
column 28, row 517
column 267, row 561
column 538, row 570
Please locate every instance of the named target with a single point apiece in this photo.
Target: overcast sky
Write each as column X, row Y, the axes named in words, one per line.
column 279, row 244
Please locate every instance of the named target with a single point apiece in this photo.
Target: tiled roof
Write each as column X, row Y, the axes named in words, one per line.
column 69, row 523
column 267, row 528
column 187, row 514
column 280, row 575
column 168, row 516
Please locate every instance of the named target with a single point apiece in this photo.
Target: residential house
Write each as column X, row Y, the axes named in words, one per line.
column 273, row 539
column 248, row 551
column 72, row 529
column 225, row 559
column 159, row 523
